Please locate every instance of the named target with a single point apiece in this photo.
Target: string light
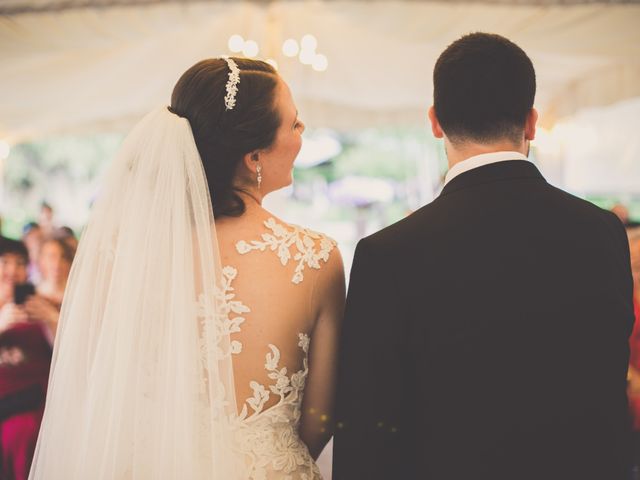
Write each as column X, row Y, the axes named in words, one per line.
column 306, row 57
column 309, row 43
column 320, row 63
column 236, row 43
column 290, row 47
column 250, row 49
column 305, row 50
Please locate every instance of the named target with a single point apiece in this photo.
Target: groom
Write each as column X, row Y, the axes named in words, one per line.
column 486, row 335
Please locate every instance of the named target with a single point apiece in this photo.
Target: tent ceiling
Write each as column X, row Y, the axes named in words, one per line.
column 70, row 69
column 15, row 7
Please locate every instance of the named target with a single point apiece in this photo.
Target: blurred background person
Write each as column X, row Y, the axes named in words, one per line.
column 56, row 256
column 32, row 237
column 13, row 268
column 68, row 236
column 622, row 212
column 634, row 360
column 46, row 219
column 28, row 322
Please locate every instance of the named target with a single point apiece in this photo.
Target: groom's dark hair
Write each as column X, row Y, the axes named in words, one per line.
column 483, row 88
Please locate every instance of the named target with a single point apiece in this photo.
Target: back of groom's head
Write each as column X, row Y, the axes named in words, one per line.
column 483, row 88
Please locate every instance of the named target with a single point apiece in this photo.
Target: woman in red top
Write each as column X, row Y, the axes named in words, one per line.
column 25, row 358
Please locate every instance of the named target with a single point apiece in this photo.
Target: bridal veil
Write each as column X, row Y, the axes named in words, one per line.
column 141, row 383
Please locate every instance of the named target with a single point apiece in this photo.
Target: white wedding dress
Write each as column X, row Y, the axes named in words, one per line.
column 270, row 345
column 184, row 344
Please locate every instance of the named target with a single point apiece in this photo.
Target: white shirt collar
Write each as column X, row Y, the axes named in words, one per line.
column 479, row 161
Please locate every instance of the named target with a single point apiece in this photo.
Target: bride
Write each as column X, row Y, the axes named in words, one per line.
column 191, row 348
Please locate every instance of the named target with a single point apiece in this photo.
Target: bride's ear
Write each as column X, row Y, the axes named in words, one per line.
column 530, row 125
column 251, row 161
column 435, row 124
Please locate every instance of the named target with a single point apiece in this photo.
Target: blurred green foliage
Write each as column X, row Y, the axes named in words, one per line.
column 65, row 171
column 56, row 170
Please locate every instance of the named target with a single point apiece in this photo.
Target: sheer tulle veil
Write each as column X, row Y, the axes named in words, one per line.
column 141, row 383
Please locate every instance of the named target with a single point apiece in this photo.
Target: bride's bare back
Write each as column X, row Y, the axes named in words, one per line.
column 286, row 285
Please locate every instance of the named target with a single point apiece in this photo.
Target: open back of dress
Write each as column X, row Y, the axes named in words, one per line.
column 270, row 273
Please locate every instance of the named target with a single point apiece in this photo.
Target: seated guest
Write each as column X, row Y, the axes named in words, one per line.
column 25, row 357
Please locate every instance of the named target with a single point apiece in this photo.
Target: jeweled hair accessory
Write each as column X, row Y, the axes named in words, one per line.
column 232, row 84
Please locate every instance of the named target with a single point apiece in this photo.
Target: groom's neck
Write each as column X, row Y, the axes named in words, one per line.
column 459, row 152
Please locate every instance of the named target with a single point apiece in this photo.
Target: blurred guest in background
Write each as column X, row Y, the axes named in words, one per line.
column 634, row 360
column 25, row 357
column 69, row 237
column 46, row 219
column 622, row 213
column 32, row 237
column 56, row 256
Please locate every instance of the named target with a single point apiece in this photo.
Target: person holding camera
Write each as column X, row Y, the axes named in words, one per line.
column 25, row 358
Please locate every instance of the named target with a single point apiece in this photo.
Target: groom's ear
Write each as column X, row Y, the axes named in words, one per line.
column 530, row 125
column 435, row 124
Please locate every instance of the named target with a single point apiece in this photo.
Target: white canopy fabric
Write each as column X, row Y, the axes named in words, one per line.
column 90, row 68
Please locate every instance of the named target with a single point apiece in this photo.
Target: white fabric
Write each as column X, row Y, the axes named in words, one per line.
column 141, row 382
column 479, row 161
column 87, row 69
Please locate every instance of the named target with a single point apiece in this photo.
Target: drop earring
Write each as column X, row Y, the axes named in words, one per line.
column 259, row 175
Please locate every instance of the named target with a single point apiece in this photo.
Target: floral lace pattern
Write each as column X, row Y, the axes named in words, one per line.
column 267, row 438
column 289, row 389
column 281, row 240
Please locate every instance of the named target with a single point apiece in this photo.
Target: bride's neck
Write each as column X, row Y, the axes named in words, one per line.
column 253, row 211
column 251, row 197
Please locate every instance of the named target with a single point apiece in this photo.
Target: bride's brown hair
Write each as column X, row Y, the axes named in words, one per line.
column 224, row 137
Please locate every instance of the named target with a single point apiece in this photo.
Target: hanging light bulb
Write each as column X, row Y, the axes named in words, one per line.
column 320, row 63
column 306, row 57
column 236, row 43
column 250, row 49
column 290, row 47
column 309, row 43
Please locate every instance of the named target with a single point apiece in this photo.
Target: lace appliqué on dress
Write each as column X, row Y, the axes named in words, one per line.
column 267, row 438
column 228, row 312
column 220, row 316
column 289, row 389
column 281, row 240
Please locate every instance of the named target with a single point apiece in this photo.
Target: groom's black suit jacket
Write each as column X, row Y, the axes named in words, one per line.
column 486, row 337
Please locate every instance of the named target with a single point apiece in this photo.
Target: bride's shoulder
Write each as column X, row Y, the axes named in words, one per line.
column 304, row 247
column 279, row 228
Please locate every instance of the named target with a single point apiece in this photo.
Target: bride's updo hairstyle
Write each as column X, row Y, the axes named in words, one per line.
column 224, row 137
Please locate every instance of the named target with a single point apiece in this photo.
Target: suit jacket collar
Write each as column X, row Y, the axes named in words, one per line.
column 493, row 172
